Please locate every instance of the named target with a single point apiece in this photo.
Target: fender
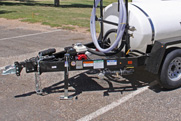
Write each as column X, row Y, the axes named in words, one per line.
column 158, row 51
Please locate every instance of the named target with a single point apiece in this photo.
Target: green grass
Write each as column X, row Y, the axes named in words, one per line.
column 70, row 12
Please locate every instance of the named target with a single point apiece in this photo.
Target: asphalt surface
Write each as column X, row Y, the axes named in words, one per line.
column 19, row 102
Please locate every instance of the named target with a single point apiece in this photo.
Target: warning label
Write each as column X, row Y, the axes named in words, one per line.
column 79, row 65
column 88, row 64
column 98, row 64
column 111, row 62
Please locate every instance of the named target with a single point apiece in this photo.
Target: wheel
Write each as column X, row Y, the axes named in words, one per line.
column 170, row 76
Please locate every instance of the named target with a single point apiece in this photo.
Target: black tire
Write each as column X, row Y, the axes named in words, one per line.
column 170, row 76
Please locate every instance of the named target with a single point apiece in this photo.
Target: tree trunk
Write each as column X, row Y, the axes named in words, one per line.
column 56, row 3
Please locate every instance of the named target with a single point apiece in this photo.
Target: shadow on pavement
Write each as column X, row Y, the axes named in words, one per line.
column 84, row 82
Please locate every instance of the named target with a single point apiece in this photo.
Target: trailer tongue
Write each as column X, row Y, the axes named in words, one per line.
column 161, row 57
column 67, row 61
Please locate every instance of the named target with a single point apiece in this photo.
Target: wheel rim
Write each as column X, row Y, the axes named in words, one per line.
column 174, row 69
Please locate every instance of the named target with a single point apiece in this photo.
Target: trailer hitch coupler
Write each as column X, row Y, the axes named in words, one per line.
column 18, row 68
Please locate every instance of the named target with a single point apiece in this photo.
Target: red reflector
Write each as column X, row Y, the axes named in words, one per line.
column 130, row 62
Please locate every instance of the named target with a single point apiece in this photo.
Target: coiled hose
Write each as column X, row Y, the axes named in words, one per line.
column 120, row 31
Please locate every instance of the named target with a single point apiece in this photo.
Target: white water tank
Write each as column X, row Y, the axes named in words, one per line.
column 155, row 20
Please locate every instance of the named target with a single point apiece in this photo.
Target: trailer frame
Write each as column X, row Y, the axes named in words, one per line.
column 120, row 63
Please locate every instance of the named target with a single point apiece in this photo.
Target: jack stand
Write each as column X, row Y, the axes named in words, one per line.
column 38, row 88
column 66, row 75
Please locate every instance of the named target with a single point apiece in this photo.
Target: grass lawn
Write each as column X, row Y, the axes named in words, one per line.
column 70, row 12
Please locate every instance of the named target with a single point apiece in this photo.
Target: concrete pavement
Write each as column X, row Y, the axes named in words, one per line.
column 18, row 100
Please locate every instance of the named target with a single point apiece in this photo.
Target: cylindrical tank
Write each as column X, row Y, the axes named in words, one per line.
column 152, row 21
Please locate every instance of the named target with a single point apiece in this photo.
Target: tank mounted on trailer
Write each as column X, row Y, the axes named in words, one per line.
column 140, row 33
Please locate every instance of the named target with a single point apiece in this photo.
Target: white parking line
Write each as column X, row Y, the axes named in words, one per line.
column 27, row 35
column 115, row 104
